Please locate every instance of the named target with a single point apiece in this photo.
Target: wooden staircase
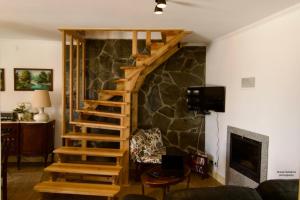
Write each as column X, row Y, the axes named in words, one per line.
column 83, row 167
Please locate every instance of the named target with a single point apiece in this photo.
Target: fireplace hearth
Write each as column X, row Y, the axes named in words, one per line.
column 247, row 157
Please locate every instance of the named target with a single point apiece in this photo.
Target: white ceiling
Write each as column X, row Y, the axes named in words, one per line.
column 208, row 19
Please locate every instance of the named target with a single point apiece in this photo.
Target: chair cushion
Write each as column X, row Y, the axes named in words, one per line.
column 154, row 159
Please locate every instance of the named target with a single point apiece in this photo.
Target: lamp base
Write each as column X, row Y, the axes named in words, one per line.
column 41, row 116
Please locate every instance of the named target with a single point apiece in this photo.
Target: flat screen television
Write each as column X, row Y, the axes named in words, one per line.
column 204, row 99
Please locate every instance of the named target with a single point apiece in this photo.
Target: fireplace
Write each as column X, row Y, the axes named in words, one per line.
column 245, row 156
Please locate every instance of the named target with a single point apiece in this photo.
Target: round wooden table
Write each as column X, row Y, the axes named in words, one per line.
column 164, row 182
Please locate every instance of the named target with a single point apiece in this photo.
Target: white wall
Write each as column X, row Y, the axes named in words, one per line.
column 269, row 51
column 31, row 54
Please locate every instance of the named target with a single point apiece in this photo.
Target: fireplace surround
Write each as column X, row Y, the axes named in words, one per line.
column 247, row 157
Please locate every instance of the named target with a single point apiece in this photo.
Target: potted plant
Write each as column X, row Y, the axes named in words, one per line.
column 20, row 110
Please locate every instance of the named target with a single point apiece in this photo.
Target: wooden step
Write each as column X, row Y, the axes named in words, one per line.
column 92, row 137
column 132, row 67
column 94, row 124
column 141, row 57
column 121, row 80
column 101, row 113
column 157, row 45
column 78, row 188
column 114, row 92
column 104, row 152
column 104, row 170
column 106, row 103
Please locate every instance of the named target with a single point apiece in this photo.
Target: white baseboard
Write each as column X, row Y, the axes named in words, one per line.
column 218, row 177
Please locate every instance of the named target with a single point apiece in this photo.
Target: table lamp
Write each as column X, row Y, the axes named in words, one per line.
column 40, row 100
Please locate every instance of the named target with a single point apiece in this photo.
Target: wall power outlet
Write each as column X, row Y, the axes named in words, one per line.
column 215, row 163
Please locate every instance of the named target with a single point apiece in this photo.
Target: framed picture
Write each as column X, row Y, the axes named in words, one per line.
column 2, row 80
column 27, row 79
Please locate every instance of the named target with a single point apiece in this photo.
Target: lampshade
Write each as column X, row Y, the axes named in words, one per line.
column 161, row 3
column 158, row 10
column 41, row 99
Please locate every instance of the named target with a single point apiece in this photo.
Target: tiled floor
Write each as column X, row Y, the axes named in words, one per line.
column 21, row 182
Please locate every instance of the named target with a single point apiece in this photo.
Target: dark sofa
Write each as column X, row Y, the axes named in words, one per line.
column 268, row 190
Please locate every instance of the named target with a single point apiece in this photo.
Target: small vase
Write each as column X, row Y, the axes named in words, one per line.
column 20, row 116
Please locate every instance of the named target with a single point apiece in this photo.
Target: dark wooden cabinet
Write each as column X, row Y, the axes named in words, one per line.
column 13, row 130
column 31, row 139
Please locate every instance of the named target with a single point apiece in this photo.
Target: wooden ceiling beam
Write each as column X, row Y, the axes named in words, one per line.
column 123, row 29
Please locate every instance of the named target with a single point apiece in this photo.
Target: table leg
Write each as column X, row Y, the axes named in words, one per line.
column 168, row 188
column 165, row 188
column 52, row 157
column 19, row 161
column 143, row 189
column 45, row 160
column 188, row 181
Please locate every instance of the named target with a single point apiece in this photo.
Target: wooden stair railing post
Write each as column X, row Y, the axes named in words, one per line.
column 71, row 80
column 83, row 72
column 134, row 43
column 83, row 142
column 63, row 126
column 148, row 41
column 77, row 73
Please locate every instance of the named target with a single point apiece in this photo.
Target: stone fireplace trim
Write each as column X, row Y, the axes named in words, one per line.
column 234, row 177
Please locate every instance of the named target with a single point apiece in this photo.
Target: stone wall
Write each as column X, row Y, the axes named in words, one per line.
column 162, row 97
column 104, row 59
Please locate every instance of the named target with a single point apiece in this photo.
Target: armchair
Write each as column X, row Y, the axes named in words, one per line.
column 146, row 149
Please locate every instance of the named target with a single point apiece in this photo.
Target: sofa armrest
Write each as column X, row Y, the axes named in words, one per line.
column 215, row 193
column 279, row 189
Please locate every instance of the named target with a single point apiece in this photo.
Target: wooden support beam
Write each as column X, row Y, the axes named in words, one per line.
column 134, row 112
column 63, row 127
column 163, row 37
column 76, row 34
column 125, row 162
column 71, row 80
column 119, row 29
column 134, row 43
column 165, row 48
column 153, row 66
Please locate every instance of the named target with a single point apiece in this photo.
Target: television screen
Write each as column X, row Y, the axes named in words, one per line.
column 204, row 99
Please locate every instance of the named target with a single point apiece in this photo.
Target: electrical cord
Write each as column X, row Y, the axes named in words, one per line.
column 196, row 114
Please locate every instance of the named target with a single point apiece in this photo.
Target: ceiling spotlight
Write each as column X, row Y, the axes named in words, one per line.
column 161, row 3
column 158, row 10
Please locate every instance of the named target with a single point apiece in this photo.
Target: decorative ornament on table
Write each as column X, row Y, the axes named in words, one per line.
column 21, row 110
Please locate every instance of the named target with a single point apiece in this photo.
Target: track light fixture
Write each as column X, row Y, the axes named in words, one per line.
column 161, row 3
column 158, row 10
